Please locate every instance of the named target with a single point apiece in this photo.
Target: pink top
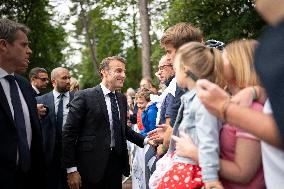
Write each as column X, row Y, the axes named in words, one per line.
column 228, row 140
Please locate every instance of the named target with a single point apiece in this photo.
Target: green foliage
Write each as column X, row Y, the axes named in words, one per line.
column 133, row 68
column 219, row 19
column 47, row 39
column 223, row 20
column 108, row 39
column 156, row 54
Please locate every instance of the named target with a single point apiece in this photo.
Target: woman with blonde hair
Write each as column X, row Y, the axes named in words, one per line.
column 74, row 85
column 241, row 166
column 240, row 152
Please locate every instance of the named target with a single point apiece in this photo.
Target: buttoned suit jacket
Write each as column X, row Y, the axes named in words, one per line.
column 48, row 124
column 86, row 135
column 9, row 140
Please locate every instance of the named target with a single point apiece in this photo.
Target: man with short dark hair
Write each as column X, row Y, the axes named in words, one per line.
column 39, row 79
column 21, row 154
column 95, row 133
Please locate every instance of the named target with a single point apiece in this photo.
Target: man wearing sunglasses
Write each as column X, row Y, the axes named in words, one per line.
column 39, row 80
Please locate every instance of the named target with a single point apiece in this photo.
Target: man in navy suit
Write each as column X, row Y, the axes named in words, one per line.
column 94, row 136
column 21, row 152
column 57, row 102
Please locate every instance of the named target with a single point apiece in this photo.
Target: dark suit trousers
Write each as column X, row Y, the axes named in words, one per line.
column 21, row 181
column 112, row 178
column 56, row 176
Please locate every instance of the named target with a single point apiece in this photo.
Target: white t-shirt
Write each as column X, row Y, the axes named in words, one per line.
column 273, row 161
column 160, row 99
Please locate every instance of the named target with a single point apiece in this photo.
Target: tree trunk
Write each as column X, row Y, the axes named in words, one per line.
column 91, row 40
column 145, row 28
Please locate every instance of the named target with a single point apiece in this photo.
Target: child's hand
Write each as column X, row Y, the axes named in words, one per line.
column 185, row 147
column 213, row 185
column 160, row 151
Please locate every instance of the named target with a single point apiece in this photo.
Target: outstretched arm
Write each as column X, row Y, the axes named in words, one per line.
column 217, row 101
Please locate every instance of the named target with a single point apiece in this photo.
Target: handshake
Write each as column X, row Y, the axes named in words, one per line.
column 156, row 136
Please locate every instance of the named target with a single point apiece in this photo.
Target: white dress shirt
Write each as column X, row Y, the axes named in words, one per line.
column 36, row 90
column 66, row 99
column 6, row 88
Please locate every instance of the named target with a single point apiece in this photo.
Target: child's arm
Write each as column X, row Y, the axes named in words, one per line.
column 207, row 129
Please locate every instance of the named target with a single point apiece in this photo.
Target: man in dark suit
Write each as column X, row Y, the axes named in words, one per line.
column 21, row 154
column 95, row 133
column 57, row 102
column 39, row 80
column 269, row 58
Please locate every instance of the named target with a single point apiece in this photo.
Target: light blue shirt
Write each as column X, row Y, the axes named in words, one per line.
column 194, row 120
column 66, row 99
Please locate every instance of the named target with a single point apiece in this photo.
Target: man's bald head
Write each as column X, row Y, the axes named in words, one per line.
column 60, row 78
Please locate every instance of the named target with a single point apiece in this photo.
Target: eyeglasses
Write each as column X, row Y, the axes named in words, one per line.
column 43, row 79
column 164, row 66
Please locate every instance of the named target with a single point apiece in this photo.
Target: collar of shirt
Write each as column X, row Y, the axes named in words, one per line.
column 172, row 87
column 105, row 90
column 56, row 94
column 189, row 94
column 3, row 73
column 36, row 90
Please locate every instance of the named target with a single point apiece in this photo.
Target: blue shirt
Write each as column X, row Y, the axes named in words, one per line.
column 149, row 118
column 174, row 105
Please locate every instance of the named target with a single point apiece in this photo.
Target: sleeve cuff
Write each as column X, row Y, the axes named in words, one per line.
column 71, row 170
column 145, row 141
column 209, row 174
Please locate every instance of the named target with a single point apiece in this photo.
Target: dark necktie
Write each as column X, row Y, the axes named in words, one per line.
column 24, row 151
column 116, row 125
column 59, row 115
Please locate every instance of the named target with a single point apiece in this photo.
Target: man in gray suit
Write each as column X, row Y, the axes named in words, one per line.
column 57, row 103
column 95, row 133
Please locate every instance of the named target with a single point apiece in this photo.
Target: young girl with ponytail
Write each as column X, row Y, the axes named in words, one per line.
column 195, row 61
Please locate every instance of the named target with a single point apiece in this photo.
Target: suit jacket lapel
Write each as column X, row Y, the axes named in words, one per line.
column 50, row 103
column 71, row 94
column 30, row 100
column 102, row 102
column 122, row 112
column 4, row 104
column 25, row 94
column 120, row 106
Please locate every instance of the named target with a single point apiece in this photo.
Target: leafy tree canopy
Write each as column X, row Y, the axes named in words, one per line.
column 47, row 37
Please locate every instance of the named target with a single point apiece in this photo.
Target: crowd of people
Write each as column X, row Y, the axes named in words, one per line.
column 214, row 121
